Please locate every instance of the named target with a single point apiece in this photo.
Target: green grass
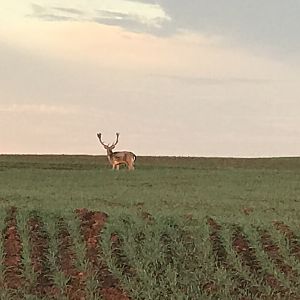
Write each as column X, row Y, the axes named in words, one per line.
column 219, row 187
column 180, row 193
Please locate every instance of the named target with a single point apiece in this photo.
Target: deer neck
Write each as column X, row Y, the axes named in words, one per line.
column 109, row 153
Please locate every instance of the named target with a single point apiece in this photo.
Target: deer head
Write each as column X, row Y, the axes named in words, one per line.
column 108, row 147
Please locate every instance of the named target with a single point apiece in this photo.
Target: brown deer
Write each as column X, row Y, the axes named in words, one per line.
column 118, row 158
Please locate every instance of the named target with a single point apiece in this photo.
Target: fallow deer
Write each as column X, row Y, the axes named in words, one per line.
column 118, row 158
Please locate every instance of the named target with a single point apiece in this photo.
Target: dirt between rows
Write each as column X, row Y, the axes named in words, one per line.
column 66, row 260
column 273, row 252
column 106, row 286
column 220, row 254
column 12, row 260
column 249, row 259
column 39, row 254
column 290, row 236
column 43, row 284
column 91, row 225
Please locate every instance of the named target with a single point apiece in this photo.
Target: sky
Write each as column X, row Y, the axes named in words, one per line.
column 182, row 78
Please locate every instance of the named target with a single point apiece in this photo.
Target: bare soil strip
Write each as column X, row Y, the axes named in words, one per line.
column 291, row 237
column 75, row 289
column 274, row 254
column 221, row 258
column 91, row 225
column 39, row 247
column 249, row 259
column 12, row 246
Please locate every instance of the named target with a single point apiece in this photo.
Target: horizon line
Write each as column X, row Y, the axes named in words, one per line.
column 155, row 156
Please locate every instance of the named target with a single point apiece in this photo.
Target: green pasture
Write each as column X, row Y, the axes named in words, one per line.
column 220, row 187
column 170, row 252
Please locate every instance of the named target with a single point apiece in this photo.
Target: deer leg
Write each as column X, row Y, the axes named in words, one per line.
column 130, row 167
column 118, row 167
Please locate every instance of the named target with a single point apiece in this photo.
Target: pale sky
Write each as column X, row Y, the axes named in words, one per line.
column 184, row 78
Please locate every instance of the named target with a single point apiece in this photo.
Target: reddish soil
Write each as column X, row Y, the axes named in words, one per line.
column 290, row 236
column 221, row 258
column 39, row 247
column 248, row 256
column 274, row 254
column 91, row 225
column 109, row 288
column 12, row 246
column 66, row 261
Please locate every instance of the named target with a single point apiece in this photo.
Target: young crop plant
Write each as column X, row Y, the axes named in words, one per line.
column 60, row 280
column 136, row 240
column 78, row 244
column 29, row 274
column 123, row 225
column 155, row 242
column 275, row 252
column 82, row 262
column 43, row 253
column 285, row 247
column 278, row 286
column 66, row 260
column 13, row 276
column 92, row 225
column 215, row 261
column 246, row 282
column 166, row 258
column 92, row 286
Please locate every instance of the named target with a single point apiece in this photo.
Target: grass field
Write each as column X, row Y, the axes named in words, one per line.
column 175, row 228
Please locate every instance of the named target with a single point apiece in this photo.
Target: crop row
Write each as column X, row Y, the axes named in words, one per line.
column 47, row 265
column 90, row 256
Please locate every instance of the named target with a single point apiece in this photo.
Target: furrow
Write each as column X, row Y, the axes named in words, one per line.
column 91, row 225
column 39, row 254
column 75, row 289
column 274, row 254
column 249, row 259
column 12, row 250
column 221, row 259
column 290, row 236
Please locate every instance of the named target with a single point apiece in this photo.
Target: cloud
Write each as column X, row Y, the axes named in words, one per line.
column 270, row 25
column 47, row 13
column 220, row 100
column 73, row 11
column 132, row 15
column 129, row 22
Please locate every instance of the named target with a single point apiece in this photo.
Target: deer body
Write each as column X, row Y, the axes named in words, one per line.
column 118, row 158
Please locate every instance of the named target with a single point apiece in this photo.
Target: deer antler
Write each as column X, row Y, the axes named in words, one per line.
column 99, row 137
column 117, row 140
